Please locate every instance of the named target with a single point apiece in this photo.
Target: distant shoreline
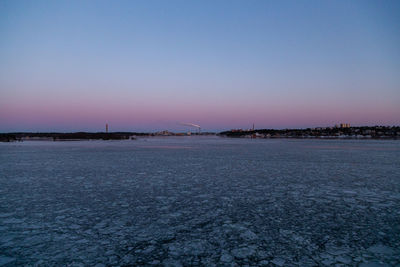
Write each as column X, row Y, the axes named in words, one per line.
column 364, row 132
column 83, row 136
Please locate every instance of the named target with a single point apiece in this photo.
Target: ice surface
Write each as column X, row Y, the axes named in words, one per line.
column 200, row 201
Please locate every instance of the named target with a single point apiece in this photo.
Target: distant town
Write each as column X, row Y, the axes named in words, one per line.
column 340, row 131
column 343, row 130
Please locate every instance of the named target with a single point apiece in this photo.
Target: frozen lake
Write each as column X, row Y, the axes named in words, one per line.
column 180, row 201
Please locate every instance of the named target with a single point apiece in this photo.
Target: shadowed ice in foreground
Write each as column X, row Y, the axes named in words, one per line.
column 200, row 201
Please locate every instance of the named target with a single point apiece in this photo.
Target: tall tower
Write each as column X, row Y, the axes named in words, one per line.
column 106, row 127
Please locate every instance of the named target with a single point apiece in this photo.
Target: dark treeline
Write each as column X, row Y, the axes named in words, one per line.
column 20, row 136
column 320, row 132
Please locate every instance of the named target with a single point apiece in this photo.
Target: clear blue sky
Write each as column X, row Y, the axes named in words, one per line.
column 148, row 65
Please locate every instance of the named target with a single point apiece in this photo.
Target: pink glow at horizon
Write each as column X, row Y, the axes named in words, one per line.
column 59, row 117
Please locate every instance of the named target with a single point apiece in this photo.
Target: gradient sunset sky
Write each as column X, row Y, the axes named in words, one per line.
column 150, row 65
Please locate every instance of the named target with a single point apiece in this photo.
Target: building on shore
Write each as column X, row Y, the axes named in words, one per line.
column 345, row 125
column 342, row 125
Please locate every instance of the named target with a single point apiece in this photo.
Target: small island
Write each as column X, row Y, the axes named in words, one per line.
column 53, row 136
column 81, row 136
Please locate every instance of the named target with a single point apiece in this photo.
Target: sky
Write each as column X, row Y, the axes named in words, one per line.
column 151, row 65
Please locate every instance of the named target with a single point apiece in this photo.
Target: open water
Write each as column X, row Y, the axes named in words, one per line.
column 181, row 201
